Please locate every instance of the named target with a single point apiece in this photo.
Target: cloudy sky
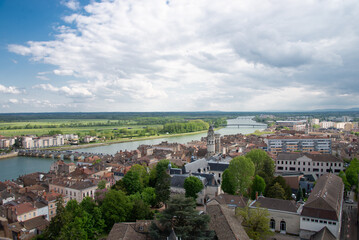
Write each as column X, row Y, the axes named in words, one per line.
column 178, row 55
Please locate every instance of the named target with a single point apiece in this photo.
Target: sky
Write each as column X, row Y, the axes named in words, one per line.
column 178, row 55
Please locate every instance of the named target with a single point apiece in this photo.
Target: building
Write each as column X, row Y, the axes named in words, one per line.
column 307, row 163
column 30, row 142
column 213, row 142
column 326, row 124
column 77, row 190
column 284, row 215
column 323, row 207
column 277, row 144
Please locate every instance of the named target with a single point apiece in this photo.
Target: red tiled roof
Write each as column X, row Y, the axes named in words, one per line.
column 22, row 208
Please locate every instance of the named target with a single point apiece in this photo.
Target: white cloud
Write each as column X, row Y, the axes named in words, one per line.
column 10, row 89
column 72, row 4
column 74, row 90
column 196, row 55
column 44, row 78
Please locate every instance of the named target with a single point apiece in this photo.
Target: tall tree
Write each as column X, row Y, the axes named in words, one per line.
column 280, row 180
column 240, row 173
column 181, row 215
column 192, row 185
column 345, row 181
column 162, row 182
column 258, row 186
column 132, row 182
column 264, row 165
column 255, row 222
column 116, row 207
column 276, row 191
column 228, row 182
column 299, row 195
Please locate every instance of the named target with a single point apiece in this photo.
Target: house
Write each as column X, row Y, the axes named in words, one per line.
column 230, row 201
column 284, row 214
column 225, row 224
column 51, row 198
column 308, row 163
column 130, row 231
column 210, row 190
column 78, row 190
column 29, row 228
column 323, row 207
column 21, row 212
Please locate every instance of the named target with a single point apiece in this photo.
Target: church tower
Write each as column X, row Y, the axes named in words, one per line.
column 210, row 142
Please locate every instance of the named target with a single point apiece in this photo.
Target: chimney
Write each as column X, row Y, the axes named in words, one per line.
column 256, row 195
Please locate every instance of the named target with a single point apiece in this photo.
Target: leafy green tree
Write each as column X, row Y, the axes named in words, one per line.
column 352, row 172
column 132, row 182
column 345, row 181
column 276, row 191
column 149, row 196
column 264, row 165
column 181, row 215
column 258, row 186
column 101, row 184
column 240, row 173
column 287, row 190
column 144, row 175
column 228, row 182
column 116, row 207
column 162, row 182
column 140, row 209
column 61, row 218
column 255, row 222
column 193, row 185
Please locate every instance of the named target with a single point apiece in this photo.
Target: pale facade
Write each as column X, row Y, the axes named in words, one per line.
column 316, row 164
column 42, row 142
column 78, row 190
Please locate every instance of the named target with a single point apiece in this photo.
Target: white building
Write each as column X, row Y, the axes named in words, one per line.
column 323, row 207
column 306, row 163
column 30, row 142
column 78, row 190
column 326, row 124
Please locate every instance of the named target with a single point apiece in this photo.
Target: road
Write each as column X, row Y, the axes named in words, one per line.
column 349, row 229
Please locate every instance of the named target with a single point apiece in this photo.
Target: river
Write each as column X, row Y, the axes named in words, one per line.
column 11, row 168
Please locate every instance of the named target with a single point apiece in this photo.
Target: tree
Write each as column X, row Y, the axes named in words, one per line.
column 287, row 190
column 299, row 195
column 192, row 185
column 264, row 165
column 258, row 186
column 116, row 207
column 276, row 191
column 255, row 222
column 345, row 181
column 352, row 172
column 140, row 209
column 162, row 182
column 148, row 195
column 182, row 216
column 132, row 182
column 101, row 184
column 239, row 175
column 61, row 218
column 228, row 182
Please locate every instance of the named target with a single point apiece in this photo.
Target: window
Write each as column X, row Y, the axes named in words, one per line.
column 283, row 226
column 66, row 192
column 303, row 163
column 52, row 212
column 321, row 221
column 334, row 223
column 75, row 194
column 316, row 220
column 280, row 168
column 312, row 220
column 325, row 222
column 272, row 224
column 34, row 214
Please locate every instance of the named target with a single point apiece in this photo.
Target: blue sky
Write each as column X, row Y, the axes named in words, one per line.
column 155, row 55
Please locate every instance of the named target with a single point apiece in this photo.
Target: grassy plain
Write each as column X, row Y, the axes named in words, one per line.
column 43, row 127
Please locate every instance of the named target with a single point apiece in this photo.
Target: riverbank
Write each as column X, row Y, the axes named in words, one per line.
column 90, row 145
column 9, row 155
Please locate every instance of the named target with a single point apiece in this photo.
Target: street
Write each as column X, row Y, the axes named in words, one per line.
column 349, row 222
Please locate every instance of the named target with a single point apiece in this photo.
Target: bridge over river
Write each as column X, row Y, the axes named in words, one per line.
column 244, row 125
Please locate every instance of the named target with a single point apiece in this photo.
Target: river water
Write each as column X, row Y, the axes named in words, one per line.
column 11, row 168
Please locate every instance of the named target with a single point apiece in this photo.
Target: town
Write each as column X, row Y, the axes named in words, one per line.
column 297, row 179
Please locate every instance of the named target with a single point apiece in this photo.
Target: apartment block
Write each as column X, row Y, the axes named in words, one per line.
column 277, row 144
